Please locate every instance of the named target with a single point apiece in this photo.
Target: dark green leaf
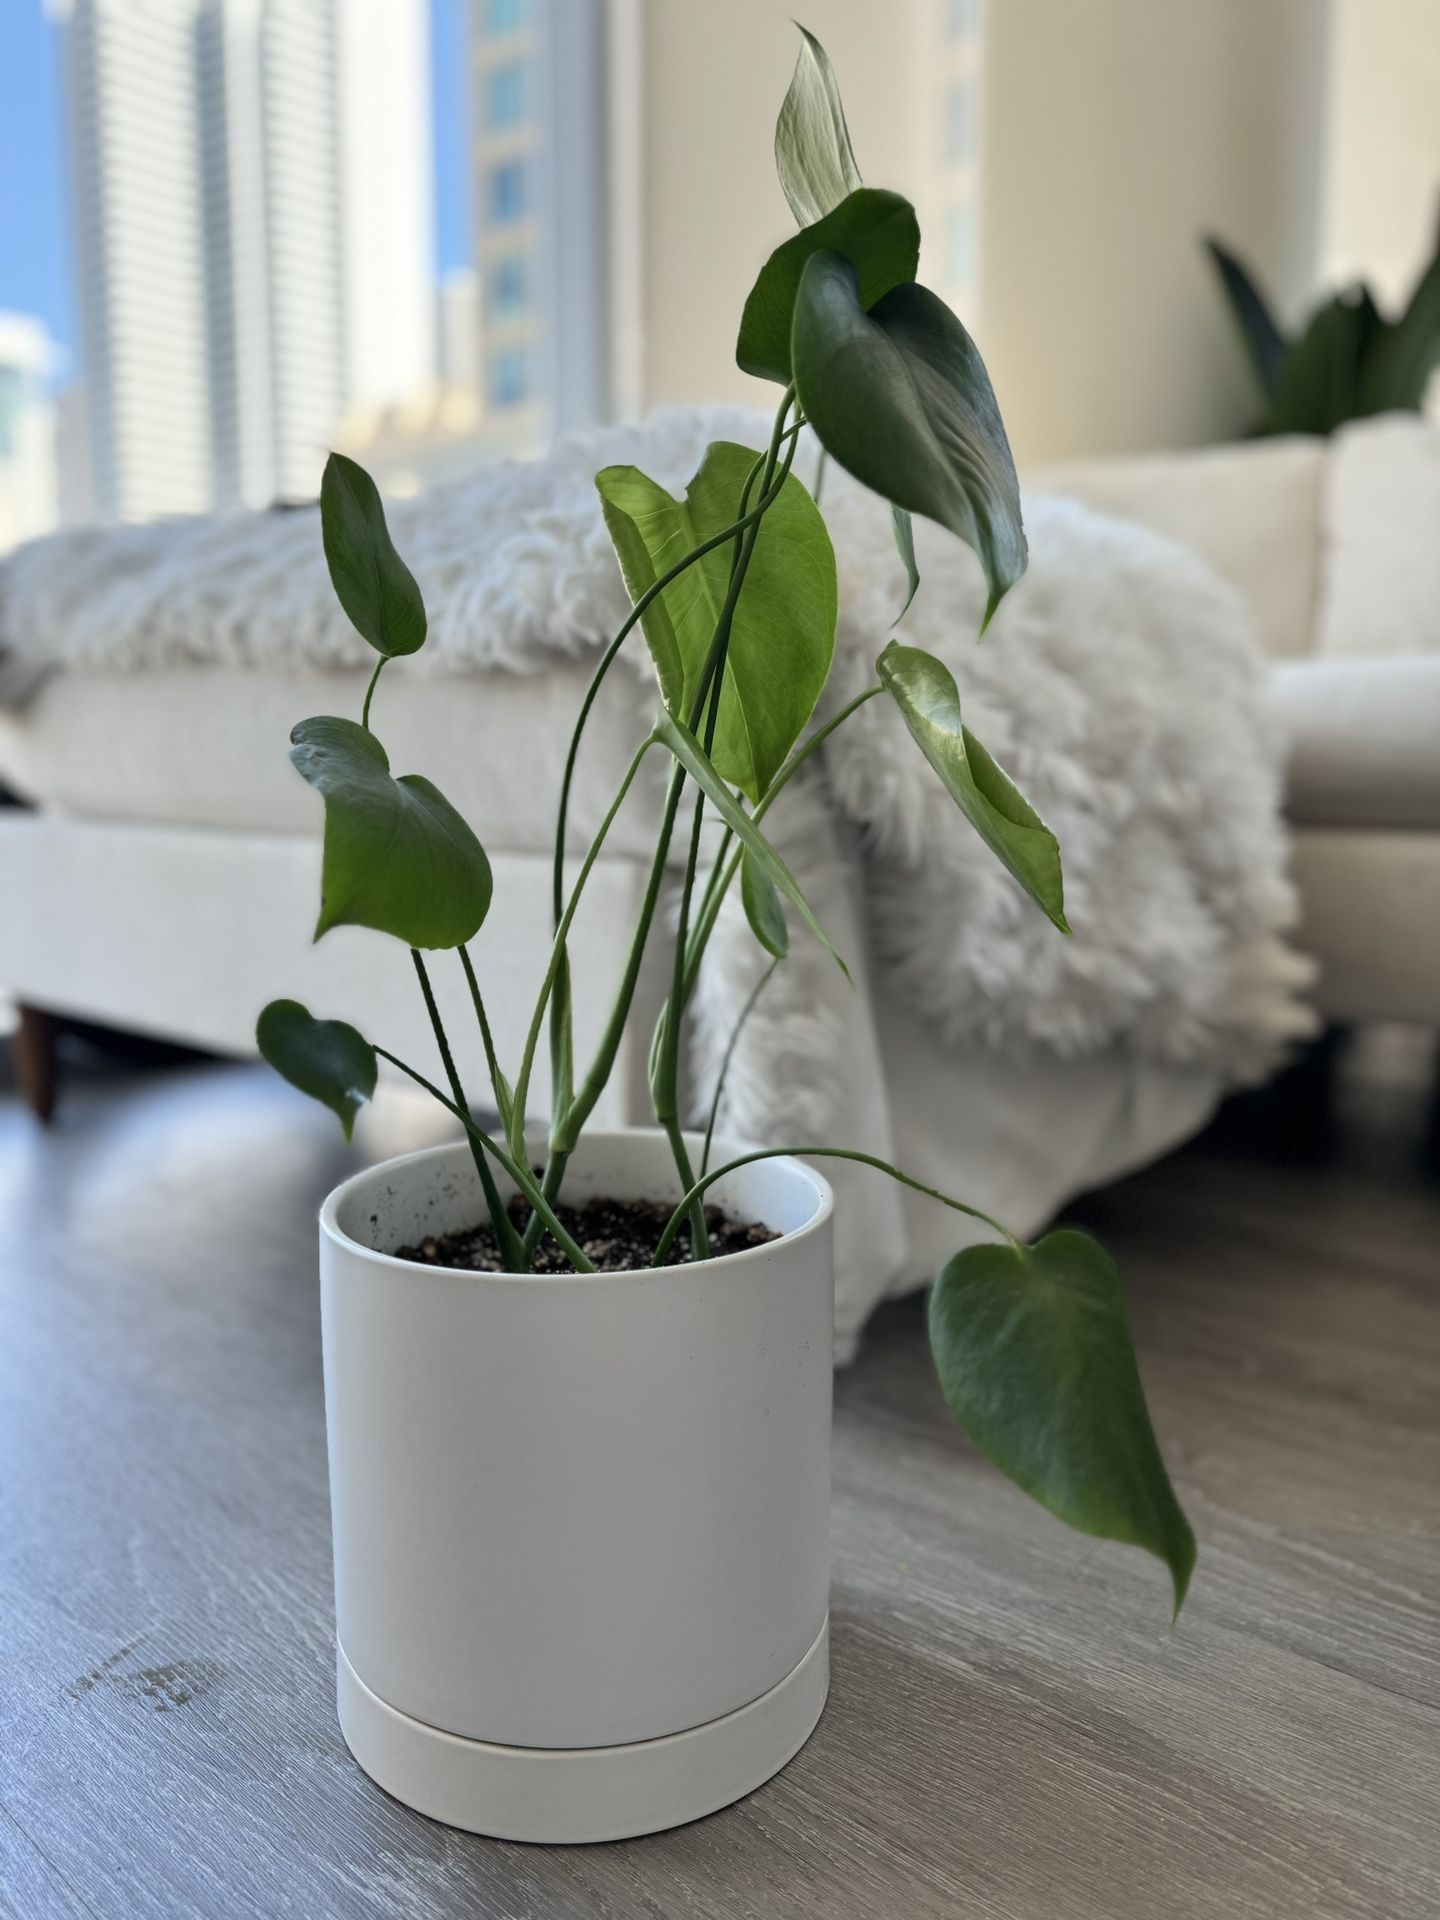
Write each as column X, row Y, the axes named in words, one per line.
column 782, row 639
column 1319, row 384
column 901, row 397
column 905, row 546
column 1263, row 339
column 813, row 155
column 398, row 857
column 925, row 692
column 1033, row 1351
column 763, row 909
column 1401, row 358
column 688, row 751
column 876, row 231
column 373, row 584
column 324, row 1058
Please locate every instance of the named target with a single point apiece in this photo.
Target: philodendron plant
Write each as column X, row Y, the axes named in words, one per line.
column 734, row 592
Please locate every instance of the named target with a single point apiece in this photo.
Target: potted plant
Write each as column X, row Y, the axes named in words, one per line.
column 578, row 1383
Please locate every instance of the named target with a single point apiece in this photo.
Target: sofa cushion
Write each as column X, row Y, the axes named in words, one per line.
column 206, row 746
column 1252, row 511
column 1380, row 574
column 1364, row 738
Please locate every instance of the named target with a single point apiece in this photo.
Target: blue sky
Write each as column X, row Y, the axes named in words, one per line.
column 34, row 210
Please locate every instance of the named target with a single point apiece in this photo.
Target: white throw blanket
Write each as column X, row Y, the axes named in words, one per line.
column 1119, row 685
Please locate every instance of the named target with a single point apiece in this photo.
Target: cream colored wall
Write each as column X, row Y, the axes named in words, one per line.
column 1117, row 132
column 715, row 72
column 1383, row 156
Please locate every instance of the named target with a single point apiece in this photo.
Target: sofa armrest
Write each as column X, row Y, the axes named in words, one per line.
column 1364, row 740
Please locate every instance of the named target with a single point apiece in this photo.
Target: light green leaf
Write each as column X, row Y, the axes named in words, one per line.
column 925, row 692
column 325, row 1058
column 1034, row 1354
column 373, row 584
column 782, row 639
column 688, row 751
column 876, row 231
column 763, row 909
column 813, row 155
column 398, row 857
column 901, row 397
column 905, row 547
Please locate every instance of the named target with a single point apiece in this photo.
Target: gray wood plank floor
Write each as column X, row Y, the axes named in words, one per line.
column 1013, row 1729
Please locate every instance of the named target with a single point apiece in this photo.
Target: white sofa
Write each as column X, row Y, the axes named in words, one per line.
column 166, row 828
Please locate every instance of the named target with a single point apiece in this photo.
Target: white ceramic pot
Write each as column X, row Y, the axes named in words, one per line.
column 581, row 1522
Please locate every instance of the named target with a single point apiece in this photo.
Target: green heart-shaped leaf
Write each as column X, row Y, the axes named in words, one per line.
column 398, row 857
column 373, row 584
column 325, row 1058
column 876, row 231
column 813, row 155
column 691, row 755
column 901, row 397
column 1033, row 1350
column 925, row 692
column 782, row 638
column 763, row 909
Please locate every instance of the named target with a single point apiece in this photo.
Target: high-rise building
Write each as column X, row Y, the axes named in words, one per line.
column 253, row 234
column 541, row 208
column 29, row 483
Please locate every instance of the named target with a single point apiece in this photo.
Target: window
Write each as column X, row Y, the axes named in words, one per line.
column 510, row 377
column 960, row 123
column 12, row 402
column 506, row 96
column 506, row 16
column 962, row 19
column 509, row 193
column 960, row 244
column 507, row 286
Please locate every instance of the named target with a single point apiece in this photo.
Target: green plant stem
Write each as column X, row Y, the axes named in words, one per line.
column 506, row 1238
column 550, row 1191
column 672, row 1225
column 665, row 1082
column 492, row 1064
column 557, row 950
column 593, row 1085
column 722, row 874
column 751, row 1000
column 370, row 692
column 517, row 1170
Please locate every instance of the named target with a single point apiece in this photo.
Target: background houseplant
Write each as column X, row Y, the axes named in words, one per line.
column 1347, row 361
column 733, row 589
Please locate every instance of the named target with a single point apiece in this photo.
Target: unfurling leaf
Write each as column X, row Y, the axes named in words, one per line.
column 325, row 1058
column 782, row 638
column 876, row 231
column 371, row 581
column 1034, row 1354
column 905, row 546
column 688, row 751
column 763, row 909
column 900, row 396
column 398, row 857
column 813, row 155
column 925, row 692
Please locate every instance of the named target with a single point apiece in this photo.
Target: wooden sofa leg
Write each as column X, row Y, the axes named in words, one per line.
column 36, row 1061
